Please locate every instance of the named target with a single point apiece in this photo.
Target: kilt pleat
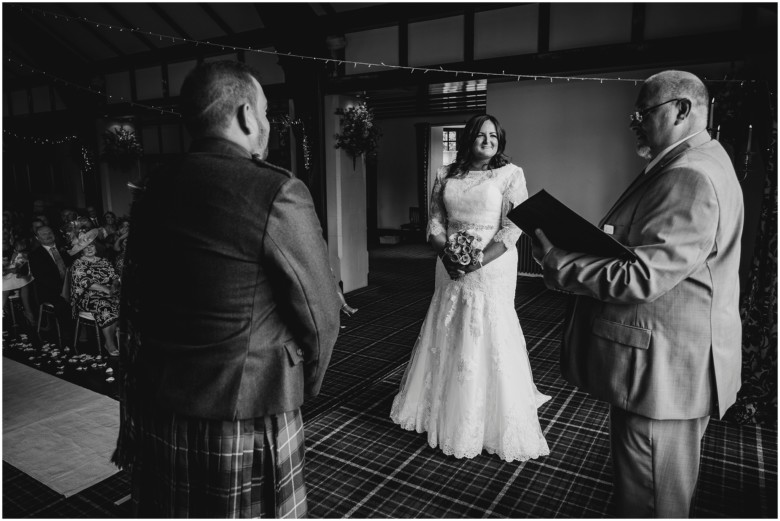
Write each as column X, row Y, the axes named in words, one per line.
column 188, row 467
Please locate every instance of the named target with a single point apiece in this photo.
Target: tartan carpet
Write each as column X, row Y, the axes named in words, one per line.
column 361, row 465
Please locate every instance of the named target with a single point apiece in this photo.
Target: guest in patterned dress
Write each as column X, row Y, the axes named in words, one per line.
column 94, row 285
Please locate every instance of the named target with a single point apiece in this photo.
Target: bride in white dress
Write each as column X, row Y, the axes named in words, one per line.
column 469, row 383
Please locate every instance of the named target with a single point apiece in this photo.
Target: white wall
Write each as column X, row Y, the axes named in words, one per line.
column 572, row 138
column 345, row 186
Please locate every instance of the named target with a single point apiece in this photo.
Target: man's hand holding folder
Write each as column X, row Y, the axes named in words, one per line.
column 540, row 245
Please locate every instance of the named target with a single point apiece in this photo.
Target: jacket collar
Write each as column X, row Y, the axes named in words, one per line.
column 218, row 145
column 642, row 179
column 698, row 139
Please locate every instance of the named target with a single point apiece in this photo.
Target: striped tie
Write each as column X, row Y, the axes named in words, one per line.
column 58, row 261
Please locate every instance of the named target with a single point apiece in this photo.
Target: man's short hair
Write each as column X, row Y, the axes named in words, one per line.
column 681, row 84
column 212, row 92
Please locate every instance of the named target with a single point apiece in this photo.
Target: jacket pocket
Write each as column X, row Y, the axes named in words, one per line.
column 632, row 336
column 294, row 352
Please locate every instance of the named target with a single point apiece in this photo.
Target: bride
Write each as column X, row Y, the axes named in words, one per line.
column 469, row 383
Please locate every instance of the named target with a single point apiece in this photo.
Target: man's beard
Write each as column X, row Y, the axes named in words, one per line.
column 262, row 146
column 644, row 152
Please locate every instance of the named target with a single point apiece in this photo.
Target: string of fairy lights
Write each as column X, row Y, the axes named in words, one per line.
column 224, row 47
column 87, row 160
column 355, row 64
column 109, row 97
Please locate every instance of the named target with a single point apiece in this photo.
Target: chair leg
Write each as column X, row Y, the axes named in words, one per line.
column 76, row 336
column 40, row 320
column 98, row 335
column 13, row 311
column 59, row 333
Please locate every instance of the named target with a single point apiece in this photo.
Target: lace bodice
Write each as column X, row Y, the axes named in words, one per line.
column 478, row 200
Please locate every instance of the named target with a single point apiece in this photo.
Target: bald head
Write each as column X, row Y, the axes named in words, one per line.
column 671, row 106
column 680, row 84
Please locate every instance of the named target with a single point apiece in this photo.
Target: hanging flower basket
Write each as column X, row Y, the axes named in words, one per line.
column 360, row 135
column 120, row 144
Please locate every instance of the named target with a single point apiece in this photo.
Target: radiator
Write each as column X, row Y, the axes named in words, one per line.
column 526, row 265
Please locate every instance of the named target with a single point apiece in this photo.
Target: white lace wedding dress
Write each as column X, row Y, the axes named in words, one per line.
column 469, row 383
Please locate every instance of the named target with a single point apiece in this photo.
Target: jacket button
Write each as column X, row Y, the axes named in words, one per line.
column 299, row 351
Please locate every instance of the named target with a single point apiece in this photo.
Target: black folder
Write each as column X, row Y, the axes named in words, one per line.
column 564, row 227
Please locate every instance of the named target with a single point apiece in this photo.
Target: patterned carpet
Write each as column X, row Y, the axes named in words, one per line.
column 361, row 465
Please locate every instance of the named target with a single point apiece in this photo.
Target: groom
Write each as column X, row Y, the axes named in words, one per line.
column 231, row 313
column 659, row 339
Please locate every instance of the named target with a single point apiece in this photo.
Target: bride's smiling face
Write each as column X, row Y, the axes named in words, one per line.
column 486, row 144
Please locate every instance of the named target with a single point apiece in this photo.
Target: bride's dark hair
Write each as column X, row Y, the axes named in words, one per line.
column 469, row 136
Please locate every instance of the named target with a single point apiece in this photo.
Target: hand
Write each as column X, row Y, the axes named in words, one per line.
column 454, row 270
column 540, row 246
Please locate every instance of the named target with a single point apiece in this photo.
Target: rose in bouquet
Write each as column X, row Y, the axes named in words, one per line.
column 460, row 249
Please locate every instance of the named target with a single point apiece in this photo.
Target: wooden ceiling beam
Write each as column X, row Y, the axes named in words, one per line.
column 125, row 22
column 215, row 16
column 159, row 11
column 51, row 32
column 679, row 51
column 255, row 39
column 94, row 32
column 389, row 14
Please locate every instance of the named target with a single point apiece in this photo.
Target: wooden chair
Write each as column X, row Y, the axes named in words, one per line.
column 47, row 309
column 413, row 229
column 88, row 318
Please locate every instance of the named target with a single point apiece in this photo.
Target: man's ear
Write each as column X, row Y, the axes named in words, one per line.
column 245, row 118
column 685, row 109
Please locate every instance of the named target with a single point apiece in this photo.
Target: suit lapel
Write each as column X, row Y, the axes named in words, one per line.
column 643, row 179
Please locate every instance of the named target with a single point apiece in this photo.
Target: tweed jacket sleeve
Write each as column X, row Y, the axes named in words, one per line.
column 672, row 234
column 302, row 280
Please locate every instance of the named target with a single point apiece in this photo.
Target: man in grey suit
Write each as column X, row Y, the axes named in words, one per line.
column 230, row 312
column 659, row 339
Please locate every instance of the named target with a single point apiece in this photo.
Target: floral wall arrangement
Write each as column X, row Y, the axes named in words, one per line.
column 120, row 144
column 359, row 136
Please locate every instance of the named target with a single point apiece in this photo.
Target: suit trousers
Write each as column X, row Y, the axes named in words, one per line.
column 655, row 463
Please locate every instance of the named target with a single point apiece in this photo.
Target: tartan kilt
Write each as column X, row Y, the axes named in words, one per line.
column 189, row 467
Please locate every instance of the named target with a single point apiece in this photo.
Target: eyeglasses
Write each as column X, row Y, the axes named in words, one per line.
column 639, row 115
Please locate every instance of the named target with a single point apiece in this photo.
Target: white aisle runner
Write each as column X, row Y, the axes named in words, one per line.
column 56, row 432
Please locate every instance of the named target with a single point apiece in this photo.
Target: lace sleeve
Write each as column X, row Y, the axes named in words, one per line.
column 514, row 194
column 437, row 218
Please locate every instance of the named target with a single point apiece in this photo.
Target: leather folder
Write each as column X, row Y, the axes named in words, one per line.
column 565, row 228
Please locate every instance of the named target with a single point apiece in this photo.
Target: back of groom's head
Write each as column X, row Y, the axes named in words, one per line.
column 212, row 94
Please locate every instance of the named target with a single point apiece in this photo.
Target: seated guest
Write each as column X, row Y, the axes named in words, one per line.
column 94, row 286
column 110, row 223
column 92, row 215
column 49, row 265
column 16, row 275
column 68, row 215
column 107, row 237
column 35, row 225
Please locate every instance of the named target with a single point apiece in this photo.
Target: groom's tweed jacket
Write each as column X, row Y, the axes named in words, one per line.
column 238, row 310
column 661, row 337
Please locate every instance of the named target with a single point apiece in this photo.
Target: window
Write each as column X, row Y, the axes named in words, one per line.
column 450, row 143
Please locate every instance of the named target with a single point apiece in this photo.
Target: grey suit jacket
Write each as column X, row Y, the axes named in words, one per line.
column 661, row 336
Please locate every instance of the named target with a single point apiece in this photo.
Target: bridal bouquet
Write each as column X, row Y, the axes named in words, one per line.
column 460, row 249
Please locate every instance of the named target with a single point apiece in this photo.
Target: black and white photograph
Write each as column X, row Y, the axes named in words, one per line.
column 368, row 260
